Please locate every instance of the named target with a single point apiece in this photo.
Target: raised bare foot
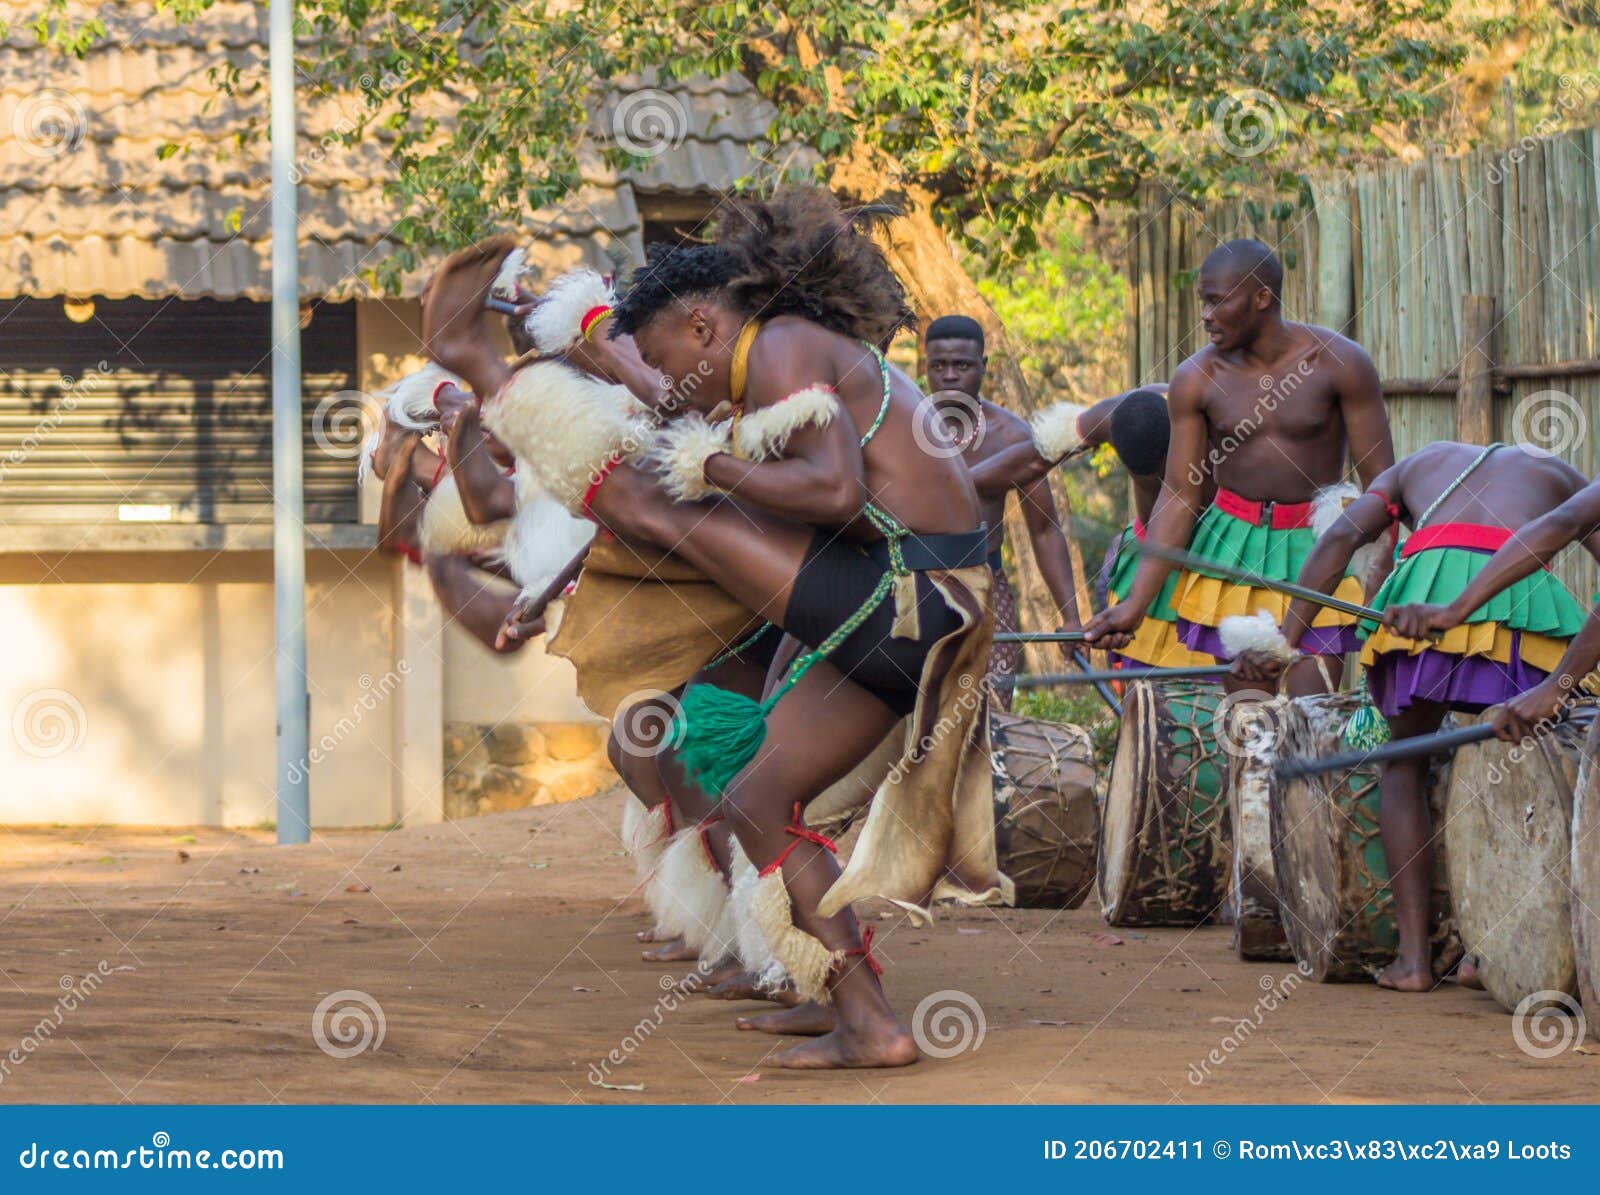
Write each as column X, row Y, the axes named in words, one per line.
column 391, row 442
column 743, row 986
column 701, row 979
column 883, row 1043
column 1467, row 974
column 803, row 1020
column 1406, row 976
column 674, row 951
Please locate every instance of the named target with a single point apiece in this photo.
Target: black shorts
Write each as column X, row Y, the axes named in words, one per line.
column 835, row 579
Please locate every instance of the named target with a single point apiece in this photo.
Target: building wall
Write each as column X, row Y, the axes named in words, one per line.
column 138, row 688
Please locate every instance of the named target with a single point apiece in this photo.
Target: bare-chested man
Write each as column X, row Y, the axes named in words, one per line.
column 840, row 529
column 1463, row 502
column 981, row 431
column 1269, row 410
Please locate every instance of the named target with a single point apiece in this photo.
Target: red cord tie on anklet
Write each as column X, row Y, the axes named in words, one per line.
column 801, row 833
column 866, row 950
column 439, row 472
column 705, row 837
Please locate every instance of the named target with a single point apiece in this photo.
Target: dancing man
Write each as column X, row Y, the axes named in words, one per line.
column 1269, row 411
column 981, row 430
column 1462, row 502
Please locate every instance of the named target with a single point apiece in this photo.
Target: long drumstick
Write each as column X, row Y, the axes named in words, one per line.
column 1042, row 679
column 1200, row 564
column 1424, row 744
column 1100, row 686
column 1038, row 637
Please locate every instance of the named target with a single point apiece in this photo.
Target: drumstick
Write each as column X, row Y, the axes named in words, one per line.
column 1038, row 636
column 1041, row 679
column 1106, row 695
column 1199, row 563
column 1422, row 744
column 501, row 306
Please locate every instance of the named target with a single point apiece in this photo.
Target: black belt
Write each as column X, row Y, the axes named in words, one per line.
column 994, row 561
column 924, row 552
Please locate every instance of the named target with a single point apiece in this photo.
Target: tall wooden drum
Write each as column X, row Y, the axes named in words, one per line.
column 1333, row 883
column 1509, row 839
column 1165, row 843
column 1253, row 729
column 1586, row 880
column 1046, row 820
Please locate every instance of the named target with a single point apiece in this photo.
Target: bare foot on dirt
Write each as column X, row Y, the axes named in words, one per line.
column 881, row 1043
column 743, row 986
column 675, row 950
column 701, row 980
column 652, row 935
column 1467, row 974
column 1405, row 976
column 809, row 1019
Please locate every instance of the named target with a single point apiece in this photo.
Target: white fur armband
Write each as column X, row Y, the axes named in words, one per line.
column 512, row 268
column 1254, row 632
column 681, row 450
column 1327, row 504
column 1055, row 430
column 762, row 434
column 409, row 401
column 446, row 530
column 556, row 324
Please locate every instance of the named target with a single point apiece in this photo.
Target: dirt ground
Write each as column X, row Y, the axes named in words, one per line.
column 501, row 953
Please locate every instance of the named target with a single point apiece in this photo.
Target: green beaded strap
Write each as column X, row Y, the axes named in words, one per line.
column 742, row 646
column 883, row 407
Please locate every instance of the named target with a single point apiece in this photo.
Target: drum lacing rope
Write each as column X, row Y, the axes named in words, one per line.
column 801, row 833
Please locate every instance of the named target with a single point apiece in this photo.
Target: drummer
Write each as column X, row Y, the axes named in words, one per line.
column 1530, row 549
column 1463, row 502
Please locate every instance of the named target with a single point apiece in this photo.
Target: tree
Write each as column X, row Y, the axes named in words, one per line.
column 968, row 116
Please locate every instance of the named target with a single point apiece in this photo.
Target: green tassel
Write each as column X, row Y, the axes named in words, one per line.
column 716, row 733
column 1366, row 729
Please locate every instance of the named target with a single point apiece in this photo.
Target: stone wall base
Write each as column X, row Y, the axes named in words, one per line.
column 490, row 769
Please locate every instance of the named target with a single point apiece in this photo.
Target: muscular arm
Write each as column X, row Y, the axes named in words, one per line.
column 478, row 608
column 1050, row 549
column 1009, row 469
column 1179, row 506
column 1533, row 547
column 400, row 507
column 820, row 478
column 1363, row 521
column 487, row 495
column 1366, row 419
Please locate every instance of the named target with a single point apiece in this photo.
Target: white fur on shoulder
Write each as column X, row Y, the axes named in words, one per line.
column 1326, row 506
column 563, row 426
column 446, row 530
column 542, row 538
column 1254, row 632
column 557, row 322
column 505, row 282
column 1055, row 430
column 687, row 892
column 761, row 435
column 409, row 401
column 680, row 453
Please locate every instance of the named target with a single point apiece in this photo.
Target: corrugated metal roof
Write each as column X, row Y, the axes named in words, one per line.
column 88, row 208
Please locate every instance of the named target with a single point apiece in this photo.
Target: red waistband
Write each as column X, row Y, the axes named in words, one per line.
column 1475, row 536
column 1138, row 528
column 1284, row 516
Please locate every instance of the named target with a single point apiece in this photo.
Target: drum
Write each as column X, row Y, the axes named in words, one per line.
column 1046, row 820
column 1164, row 841
column 1509, row 839
column 1251, row 733
column 1333, row 884
column 1586, row 880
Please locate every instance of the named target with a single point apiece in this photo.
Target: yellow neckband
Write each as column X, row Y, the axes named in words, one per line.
column 739, row 375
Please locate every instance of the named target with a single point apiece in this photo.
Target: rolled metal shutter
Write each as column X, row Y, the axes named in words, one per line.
column 163, row 410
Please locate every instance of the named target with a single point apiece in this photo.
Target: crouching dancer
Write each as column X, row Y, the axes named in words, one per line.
column 815, row 508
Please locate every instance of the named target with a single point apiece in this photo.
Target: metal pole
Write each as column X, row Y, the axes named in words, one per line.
column 288, row 506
